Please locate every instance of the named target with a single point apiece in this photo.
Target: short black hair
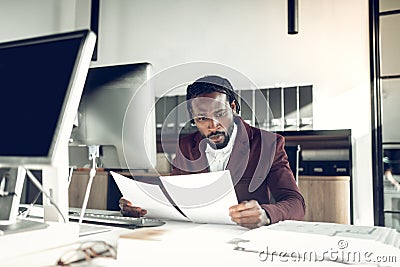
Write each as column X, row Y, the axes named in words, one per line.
column 209, row 84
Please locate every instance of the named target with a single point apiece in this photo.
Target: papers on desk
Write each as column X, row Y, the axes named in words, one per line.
column 318, row 241
column 204, row 198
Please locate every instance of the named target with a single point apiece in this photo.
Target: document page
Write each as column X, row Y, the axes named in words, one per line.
column 321, row 241
column 203, row 198
column 147, row 196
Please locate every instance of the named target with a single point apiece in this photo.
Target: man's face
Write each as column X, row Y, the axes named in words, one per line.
column 213, row 116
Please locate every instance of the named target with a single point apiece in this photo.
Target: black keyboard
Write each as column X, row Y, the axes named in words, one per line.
column 114, row 219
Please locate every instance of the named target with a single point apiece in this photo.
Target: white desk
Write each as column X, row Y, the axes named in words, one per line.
column 173, row 244
column 188, row 244
column 49, row 254
column 178, row 235
column 180, row 244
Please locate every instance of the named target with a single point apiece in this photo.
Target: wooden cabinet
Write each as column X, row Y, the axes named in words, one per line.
column 325, row 181
column 104, row 193
column 98, row 193
column 327, row 198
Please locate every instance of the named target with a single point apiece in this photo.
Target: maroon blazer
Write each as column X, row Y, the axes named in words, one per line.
column 258, row 165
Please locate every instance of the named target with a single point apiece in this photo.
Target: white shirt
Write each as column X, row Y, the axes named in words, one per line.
column 218, row 158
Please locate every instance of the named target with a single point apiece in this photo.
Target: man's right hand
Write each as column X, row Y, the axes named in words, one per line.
column 127, row 209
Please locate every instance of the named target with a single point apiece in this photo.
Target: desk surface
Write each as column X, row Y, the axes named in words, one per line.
column 139, row 250
column 189, row 244
column 173, row 244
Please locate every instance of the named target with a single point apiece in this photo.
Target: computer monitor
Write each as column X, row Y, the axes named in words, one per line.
column 41, row 83
column 117, row 114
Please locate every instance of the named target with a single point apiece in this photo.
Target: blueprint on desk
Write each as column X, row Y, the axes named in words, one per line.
column 383, row 235
column 314, row 241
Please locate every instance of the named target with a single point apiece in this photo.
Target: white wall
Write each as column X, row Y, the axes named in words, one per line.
column 25, row 18
column 330, row 52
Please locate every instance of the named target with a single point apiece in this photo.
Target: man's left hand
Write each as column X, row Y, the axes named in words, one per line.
column 249, row 214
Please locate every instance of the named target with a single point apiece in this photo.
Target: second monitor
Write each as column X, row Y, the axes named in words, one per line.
column 116, row 113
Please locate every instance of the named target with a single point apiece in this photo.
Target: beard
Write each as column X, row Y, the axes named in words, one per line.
column 227, row 137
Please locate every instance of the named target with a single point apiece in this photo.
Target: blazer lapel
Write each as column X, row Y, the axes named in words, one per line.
column 240, row 152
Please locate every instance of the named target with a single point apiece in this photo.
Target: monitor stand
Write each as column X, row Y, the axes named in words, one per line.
column 11, row 184
column 54, row 189
column 21, row 226
column 55, row 183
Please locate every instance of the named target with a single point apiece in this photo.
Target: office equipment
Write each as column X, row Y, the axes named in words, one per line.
column 203, row 197
column 116, row 113
column 42, row 80
column 11, row 183
column 113, row 218
column 20, row 226
column 34, row 214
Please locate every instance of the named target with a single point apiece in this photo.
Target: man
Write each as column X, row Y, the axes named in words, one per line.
column 256, row 158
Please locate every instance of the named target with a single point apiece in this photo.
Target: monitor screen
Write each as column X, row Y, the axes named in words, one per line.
column 117, row 113
column 40, row 80
column 41, row 84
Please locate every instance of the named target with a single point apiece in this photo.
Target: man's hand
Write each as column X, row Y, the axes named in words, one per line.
column 127, row 209
column 249, row 214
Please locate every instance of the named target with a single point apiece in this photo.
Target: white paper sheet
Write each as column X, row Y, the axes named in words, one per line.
column 204, row 197
column 147, row 196
column 321, row 241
